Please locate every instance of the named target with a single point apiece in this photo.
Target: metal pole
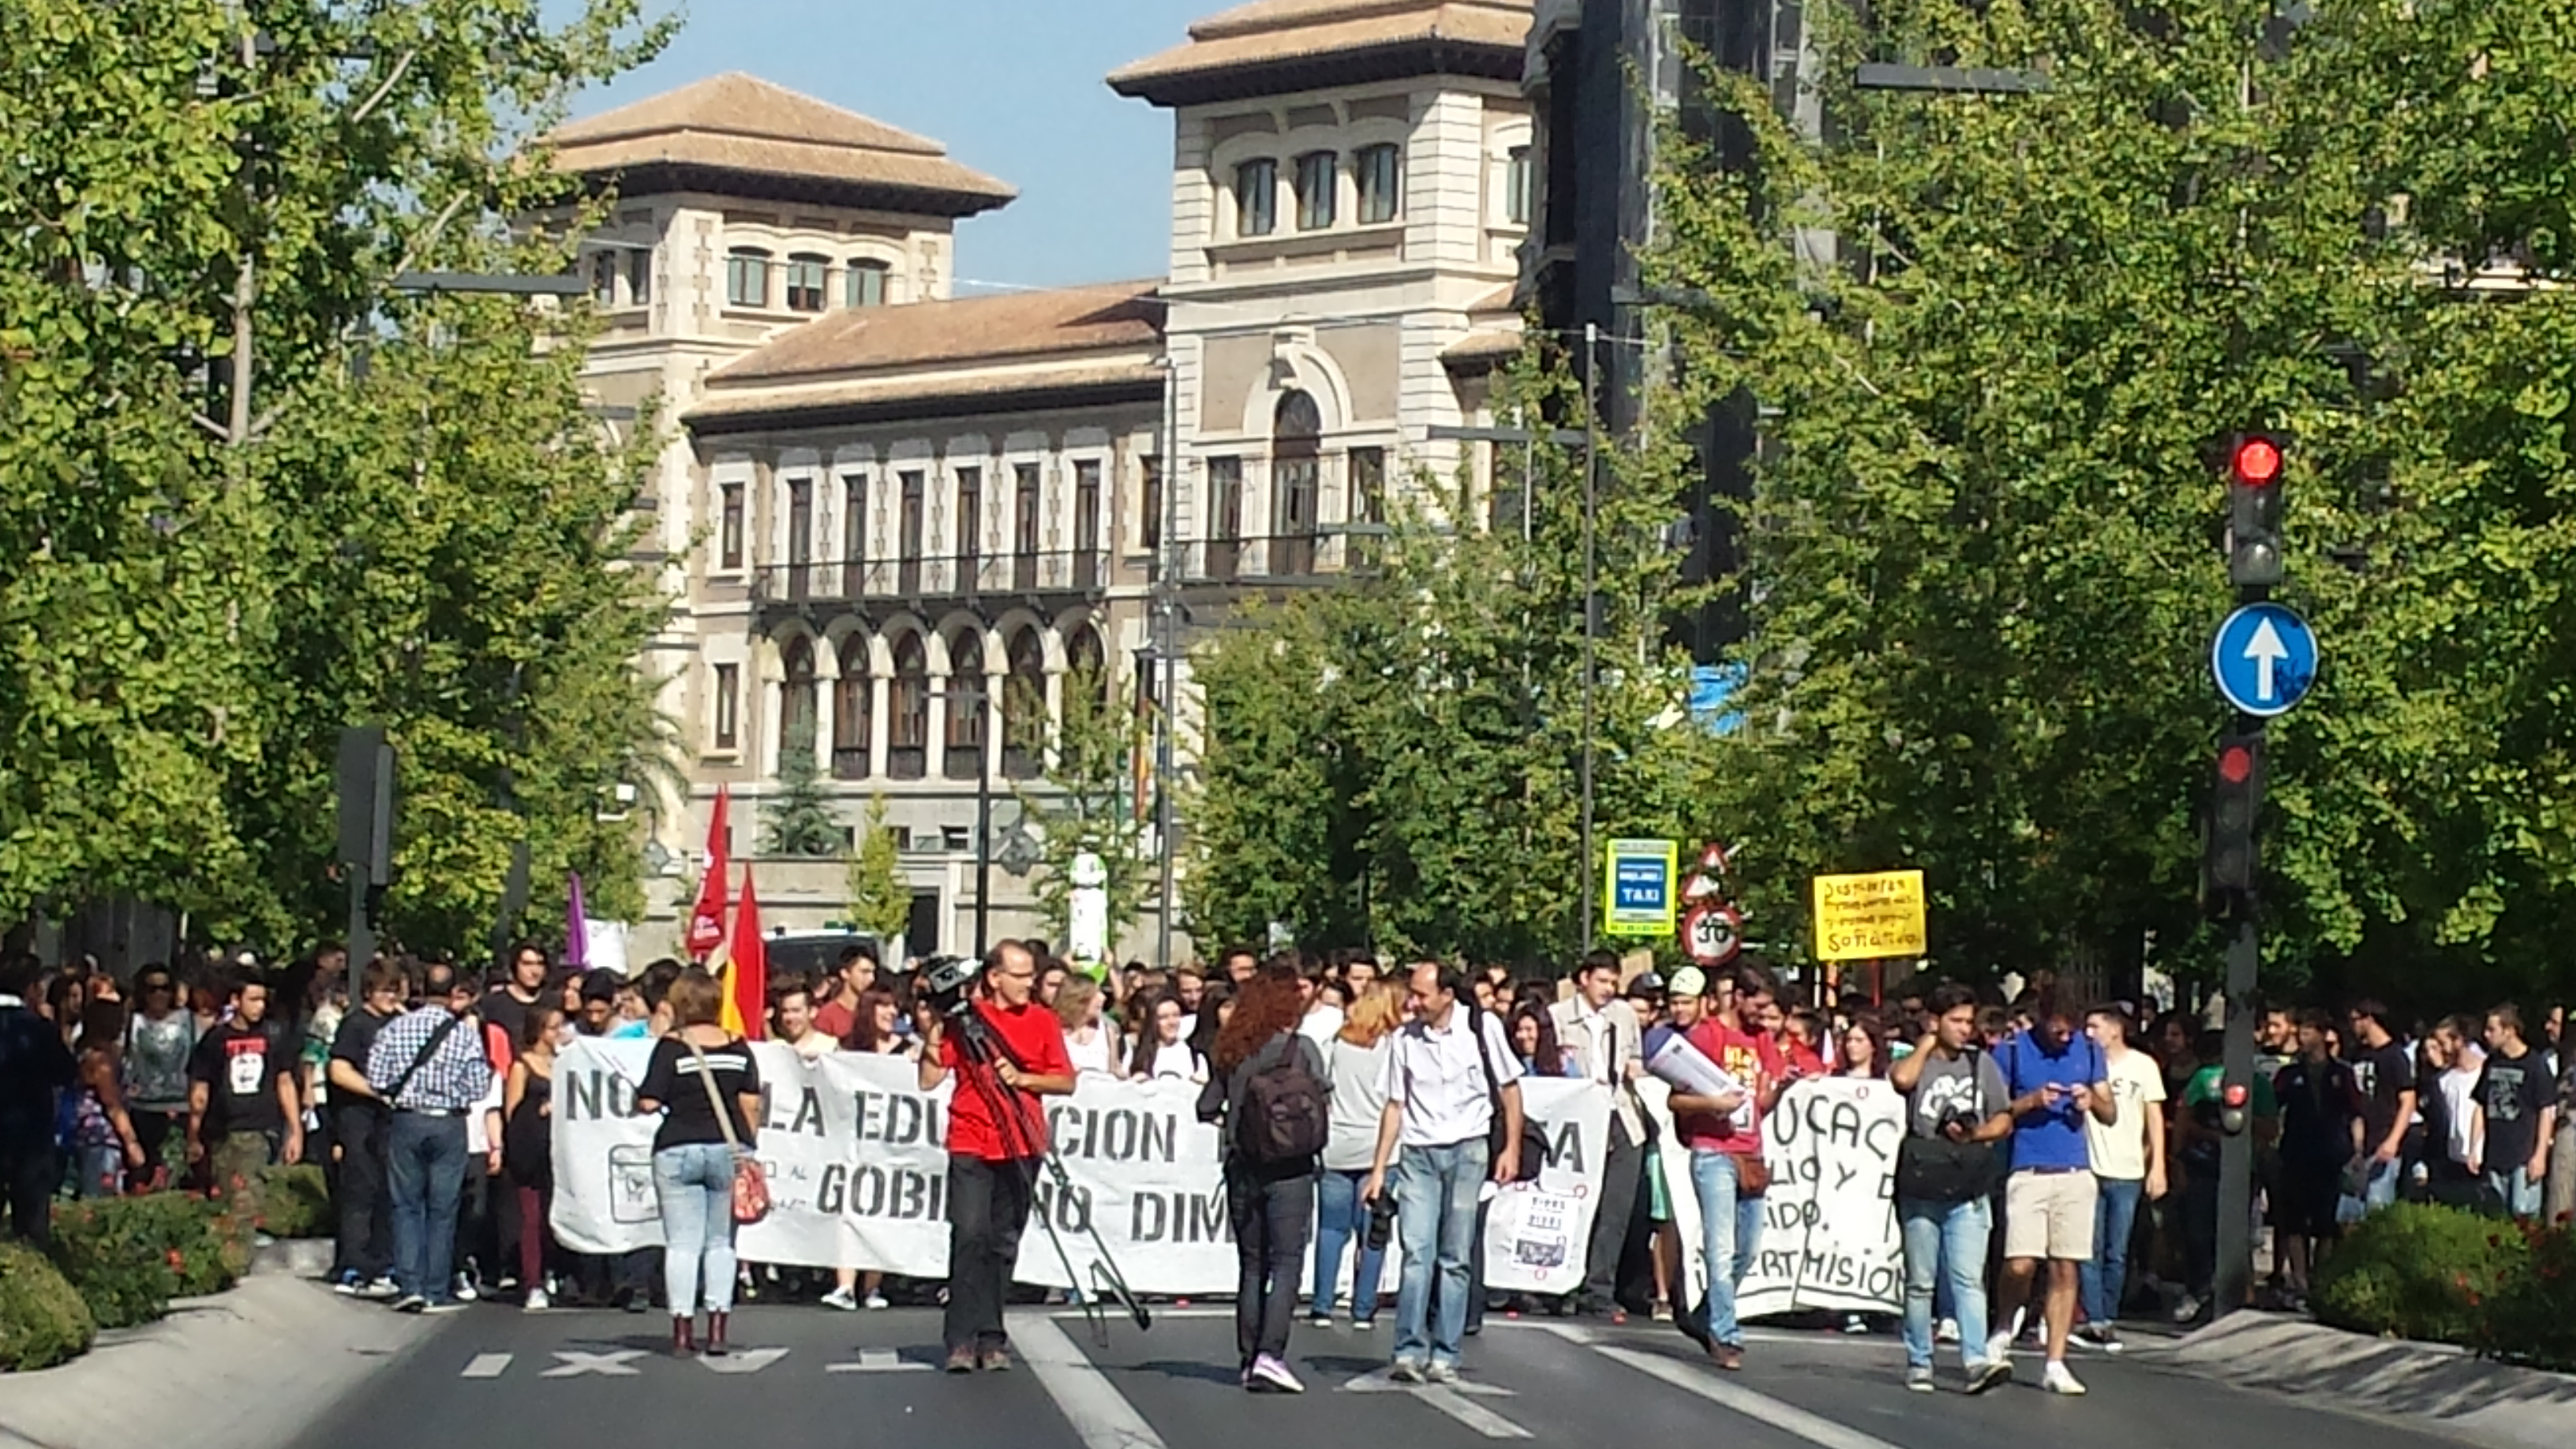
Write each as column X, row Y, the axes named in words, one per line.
column 1167, row 686
column 983, row 831
column 2235, row 1268
column 362, row 930
column 1591, row 476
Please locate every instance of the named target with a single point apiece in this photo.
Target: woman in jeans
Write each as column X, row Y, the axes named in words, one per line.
column 1352, row 1061
column 695, row 1068
column 1271, row 1202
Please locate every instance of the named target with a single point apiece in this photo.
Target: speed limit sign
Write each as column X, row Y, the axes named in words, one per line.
column 1713, row 933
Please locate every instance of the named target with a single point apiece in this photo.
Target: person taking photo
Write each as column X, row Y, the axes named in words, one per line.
column 1957, row 1109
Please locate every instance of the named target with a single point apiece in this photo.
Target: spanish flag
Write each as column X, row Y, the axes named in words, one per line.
column 746, row 1002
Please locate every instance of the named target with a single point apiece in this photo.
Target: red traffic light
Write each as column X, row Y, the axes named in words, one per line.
column 2236, row 764
column 2257, row 462
column 2236, row 1093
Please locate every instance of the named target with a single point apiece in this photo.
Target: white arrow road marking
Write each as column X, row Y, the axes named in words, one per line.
column 1450, row 1399
column 1090, row 1403
column 877, row 1361
column 2267, row 652
column 1761, row 1408
column 617, row 1363
column 488, row 1366
column 747, row 1361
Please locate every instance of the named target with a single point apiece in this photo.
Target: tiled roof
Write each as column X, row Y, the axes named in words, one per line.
column 724, row 412
column 1275, row 32
column 742, row 124
column 1483, row 349
column 925, row 334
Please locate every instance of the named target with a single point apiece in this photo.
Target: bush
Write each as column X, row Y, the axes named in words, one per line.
column 295, row 1202
column 42, row 1321
column 128, row 1257
column 2445, row 1275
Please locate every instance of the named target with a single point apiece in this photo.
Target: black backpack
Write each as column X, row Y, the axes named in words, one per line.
column 1285, row 1118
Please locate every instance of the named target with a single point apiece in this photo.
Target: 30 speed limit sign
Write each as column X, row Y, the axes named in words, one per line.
column 1713, row 933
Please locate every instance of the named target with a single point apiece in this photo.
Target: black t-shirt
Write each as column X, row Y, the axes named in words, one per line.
column 507, row 1012
column 2319, row 1101
column 356, row 1038
column 240, row 1067
column 2383, row 1073
column 2514, row 1090
column 672, row 1080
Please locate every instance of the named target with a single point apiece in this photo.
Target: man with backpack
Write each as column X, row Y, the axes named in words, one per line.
column 1269, row 1090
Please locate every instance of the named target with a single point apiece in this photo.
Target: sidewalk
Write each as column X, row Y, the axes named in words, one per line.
column 248, row 1369
column 2470, row 1398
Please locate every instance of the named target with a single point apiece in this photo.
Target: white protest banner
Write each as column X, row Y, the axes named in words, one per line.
column 1829, row 1235
column 858, row 1175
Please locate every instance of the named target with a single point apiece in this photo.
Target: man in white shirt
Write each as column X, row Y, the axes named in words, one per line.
column 1601, row 1034
column 1446, row 1072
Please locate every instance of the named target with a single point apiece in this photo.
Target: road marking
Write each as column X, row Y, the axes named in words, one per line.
column 877, row 1361
column 488, row 1366
column 1450, row 1399
column 617, row 1363
column 747, row 1361
column 1761, row 1408
column 1098, row 1412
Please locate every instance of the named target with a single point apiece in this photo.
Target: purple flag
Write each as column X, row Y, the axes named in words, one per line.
column 576, row 929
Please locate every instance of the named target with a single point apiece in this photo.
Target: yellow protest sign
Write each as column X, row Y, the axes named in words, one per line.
column 1867, row 917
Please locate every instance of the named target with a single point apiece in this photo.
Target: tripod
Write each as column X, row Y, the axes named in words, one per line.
column 1010, row 1109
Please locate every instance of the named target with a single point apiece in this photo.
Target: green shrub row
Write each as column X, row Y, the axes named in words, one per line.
column 43, row 1322
column 2444, row 1275
column 128, row 1257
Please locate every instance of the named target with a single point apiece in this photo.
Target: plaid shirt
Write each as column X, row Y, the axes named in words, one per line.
column 452, row 1080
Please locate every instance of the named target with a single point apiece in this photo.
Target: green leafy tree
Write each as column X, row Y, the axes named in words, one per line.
column 801, row 821
column 1086, row 800
column 1984, row 528
column 880, row 898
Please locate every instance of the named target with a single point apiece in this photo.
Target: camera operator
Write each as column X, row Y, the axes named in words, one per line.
column 993, row 1161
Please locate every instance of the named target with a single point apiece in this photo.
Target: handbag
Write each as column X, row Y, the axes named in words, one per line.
column 1533, row 1157
column 750, row 1182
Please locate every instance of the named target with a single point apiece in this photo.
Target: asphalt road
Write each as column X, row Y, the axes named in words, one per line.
column 802, row 1375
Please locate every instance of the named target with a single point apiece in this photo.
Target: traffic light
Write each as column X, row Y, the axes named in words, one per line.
column 2254, row 462
column 2231, row 1108
column 2235, row 804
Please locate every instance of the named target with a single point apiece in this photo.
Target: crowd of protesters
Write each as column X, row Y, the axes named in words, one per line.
column 2061, row 1170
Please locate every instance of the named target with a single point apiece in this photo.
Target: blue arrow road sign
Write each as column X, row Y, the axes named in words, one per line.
column 2265, row 659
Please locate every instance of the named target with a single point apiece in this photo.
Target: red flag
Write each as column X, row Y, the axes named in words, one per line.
column 707, row 918
column 746, row 1008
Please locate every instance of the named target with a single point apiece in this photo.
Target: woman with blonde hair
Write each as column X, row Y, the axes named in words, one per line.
column 704, row 1083
column 1353, row 1061
column 1091, row 1042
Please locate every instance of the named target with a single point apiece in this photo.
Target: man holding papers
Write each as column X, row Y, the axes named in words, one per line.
column 1717, row 1106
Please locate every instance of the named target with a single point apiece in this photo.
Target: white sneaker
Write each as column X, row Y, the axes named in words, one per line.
column 1441, row 1372
column 841, row 1299
column 1919, row 1380
column 1946, row 1331
column 2058, row 1381
column 538, row 1302
column 876, row 1302
column 1999, row 1348
column 2186, row 1309
column 466, row 1292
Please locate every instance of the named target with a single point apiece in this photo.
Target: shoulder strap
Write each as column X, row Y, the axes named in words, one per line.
column 715, row 1099
column 1476, row 1026
column 428, row 1049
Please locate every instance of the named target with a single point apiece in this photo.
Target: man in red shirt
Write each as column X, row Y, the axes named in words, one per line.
column 1724, row 1135
column 993, row 1163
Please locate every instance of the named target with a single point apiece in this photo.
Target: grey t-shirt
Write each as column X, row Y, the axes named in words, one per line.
column 1968, row 1083
column 1358, row 1104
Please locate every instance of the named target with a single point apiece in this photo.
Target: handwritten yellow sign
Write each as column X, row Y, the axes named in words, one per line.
column 1869, row 917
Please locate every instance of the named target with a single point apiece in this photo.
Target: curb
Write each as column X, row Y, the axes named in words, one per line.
column 294, row 1257
column 2488, row 1403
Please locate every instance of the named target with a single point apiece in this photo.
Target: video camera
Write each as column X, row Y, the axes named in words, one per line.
column 945, row 981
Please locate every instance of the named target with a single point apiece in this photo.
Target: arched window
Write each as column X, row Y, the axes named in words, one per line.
column 1296, row 452
column 1024, row 708
column 796, row 703
column 1084, row 658
column 966, row 706
column 908, row 752
column 805, row 275
column 853, row 700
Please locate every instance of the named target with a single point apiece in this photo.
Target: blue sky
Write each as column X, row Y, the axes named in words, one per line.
column 1011, row 87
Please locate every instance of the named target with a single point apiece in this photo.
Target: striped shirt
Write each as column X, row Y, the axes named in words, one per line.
column 453, row 1079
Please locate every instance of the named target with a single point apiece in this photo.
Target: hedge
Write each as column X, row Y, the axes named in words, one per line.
column 295, row 1202
column 128, row 1257
column 2444, row 1275
column 43, row 1322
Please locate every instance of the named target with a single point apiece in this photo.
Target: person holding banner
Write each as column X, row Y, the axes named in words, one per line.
column 1724, row 1136
column 1603, row 1040
column 997, row 1132
column 1957, row 1109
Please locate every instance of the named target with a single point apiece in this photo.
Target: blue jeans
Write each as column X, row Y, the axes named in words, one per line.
column 2105, row 1279
column 425, row 1175
column 1945, row 1249
column 2518, row 1190
column 1435, row 1203
column 1341, row 1219
column 2379, row 1186
column 695, row 1185
column 1730, row 1231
